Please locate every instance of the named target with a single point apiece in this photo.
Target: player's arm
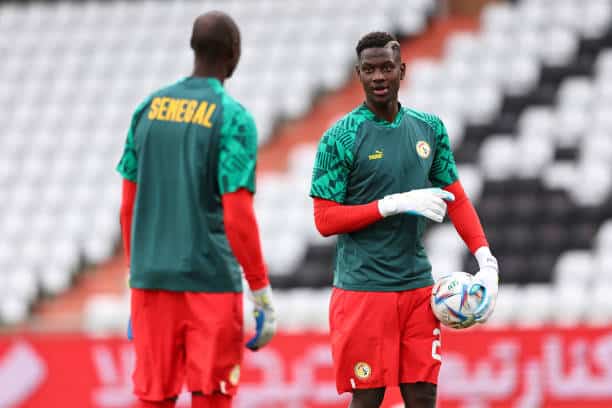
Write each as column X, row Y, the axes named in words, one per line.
column 236, row 180
column 243, row 236
column 128, row 196
column 463, row 215
column 128, row 169
column 334, row 218
column 330, row 175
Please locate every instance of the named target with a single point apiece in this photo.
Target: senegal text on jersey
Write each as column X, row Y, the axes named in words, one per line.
column 182, row 110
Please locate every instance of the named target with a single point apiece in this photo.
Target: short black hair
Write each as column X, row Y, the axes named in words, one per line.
column 215, row 37
column 375, row 39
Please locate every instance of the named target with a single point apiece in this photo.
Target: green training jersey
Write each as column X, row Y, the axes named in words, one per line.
column 362, row 158
column 188, row 144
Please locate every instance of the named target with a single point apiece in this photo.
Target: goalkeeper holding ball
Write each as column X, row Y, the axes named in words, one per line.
column 188, row 224
column 379, row 173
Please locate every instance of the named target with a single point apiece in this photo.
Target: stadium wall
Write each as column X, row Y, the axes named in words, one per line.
column 484, row 368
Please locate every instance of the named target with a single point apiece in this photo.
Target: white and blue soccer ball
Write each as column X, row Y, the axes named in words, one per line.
column 455, row 299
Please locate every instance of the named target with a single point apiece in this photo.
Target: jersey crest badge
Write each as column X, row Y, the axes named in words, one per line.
column 362, row 370
column 423, row 149
column 378, row 154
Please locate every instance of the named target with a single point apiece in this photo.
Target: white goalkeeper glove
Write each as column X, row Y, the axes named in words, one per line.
column 426, row 202
column 265, row 318
column 488, row 276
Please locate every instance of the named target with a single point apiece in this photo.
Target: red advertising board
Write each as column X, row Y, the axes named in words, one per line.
column 546, row 367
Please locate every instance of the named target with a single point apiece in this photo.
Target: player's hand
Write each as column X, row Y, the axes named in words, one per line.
column 463, row 325
column 426, row 202
column 265, row 319
column 488, row 276
column 476, row 288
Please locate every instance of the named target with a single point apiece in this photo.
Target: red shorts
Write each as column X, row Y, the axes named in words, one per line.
column 186, row 337
column 382, row 339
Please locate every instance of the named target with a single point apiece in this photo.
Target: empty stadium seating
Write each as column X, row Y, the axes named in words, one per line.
column 72, row 73
column 533, row 144
column 532, row 140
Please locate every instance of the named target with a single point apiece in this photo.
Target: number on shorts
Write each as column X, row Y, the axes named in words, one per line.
column 435, row 345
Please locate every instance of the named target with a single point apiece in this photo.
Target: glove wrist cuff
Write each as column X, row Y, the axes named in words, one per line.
column 263, row 297
column 387, row 206
column 485, row 258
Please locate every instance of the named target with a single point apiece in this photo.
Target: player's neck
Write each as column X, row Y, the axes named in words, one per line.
column 387, row 111
column 204, row 70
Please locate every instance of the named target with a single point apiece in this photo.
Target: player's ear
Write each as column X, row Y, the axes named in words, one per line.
column 402, row 70
column 357, row 70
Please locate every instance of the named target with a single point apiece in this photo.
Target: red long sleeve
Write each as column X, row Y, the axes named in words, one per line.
column 465, row 219
column 128, row 195
column 334, row 218
column 243, row 236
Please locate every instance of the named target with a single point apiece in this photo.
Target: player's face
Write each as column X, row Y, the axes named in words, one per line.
column 380, row 71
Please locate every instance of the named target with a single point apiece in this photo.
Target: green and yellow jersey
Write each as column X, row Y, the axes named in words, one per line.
column 188, row 144
column 363, row 158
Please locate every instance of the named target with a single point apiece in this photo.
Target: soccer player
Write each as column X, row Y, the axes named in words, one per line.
column 379, row 173
column 187, row 224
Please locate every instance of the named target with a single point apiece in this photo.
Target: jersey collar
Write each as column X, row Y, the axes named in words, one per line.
column 371, row 116
column 212, row 82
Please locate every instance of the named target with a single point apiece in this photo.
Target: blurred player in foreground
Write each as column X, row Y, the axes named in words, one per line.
column 189, row 178
column 379, row 173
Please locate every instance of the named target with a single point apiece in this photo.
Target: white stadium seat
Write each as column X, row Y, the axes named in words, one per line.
column 13, row 309
column 535, row 154
column 576, row 93
column 604, row 238
column 600, row 305
column 597, row 190
column 597, row 15
column 508, row 302
column 498, row 17
column 574, row 268
column 497, row 157
column 537, row 305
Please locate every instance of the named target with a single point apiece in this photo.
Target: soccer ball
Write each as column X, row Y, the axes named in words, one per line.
column 455, row 298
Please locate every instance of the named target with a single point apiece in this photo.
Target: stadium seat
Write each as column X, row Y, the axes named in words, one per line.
column 600, row 305
column 572, row 306
column 597, row 190
column 576, row 93
column 603, row 268
column 525, row 74
column 13, row 309
column 505, row 308
column 596, row 18
column 498, row 17
column 574, row 269
column 498, row 157
column 537, row 153
column 559, row 46
column 537, row 305
column 604, row 238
